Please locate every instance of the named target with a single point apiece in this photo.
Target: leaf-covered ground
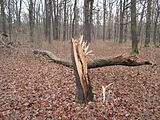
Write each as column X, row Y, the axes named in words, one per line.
column 35, row 88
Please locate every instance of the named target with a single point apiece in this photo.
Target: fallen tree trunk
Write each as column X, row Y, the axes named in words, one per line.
column 53, row 57
column 100, row 62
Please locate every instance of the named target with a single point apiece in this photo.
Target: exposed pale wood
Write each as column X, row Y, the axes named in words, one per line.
column 79, row 60
column 104, row 89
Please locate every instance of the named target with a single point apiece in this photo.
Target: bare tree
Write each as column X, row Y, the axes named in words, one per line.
column 116, row 24
column 65, row 20
column 98, row 30
column 88, row 6
column 31, row 20
column 55, row 20
column 10, row 19
column 104, row 20
column 140, row 21
column 49, row 20
column 3, row 16
column 121, row 28
column 48, row 17
column 110, row 19
column 74, row 19
column 155, row 36
column 134, row 27
column 148, row 23
column 18, row 10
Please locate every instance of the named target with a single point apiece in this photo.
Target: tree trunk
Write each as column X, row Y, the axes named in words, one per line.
column 148, row 23
column 10, row 20
column 88, row 6
column 31, row 20
column 126, row 26
column 79, row 60
column 110, row 20
column 98, row 31
column 3, row 17
column 155, row 25
column 134, row 27
column 121, row 21
column 19, row 12
column 140, row 22
column 49, row 20
column 104, row 20
column 65, row 20
column 55, row 21
column 116, row 25
column 99, row 62
column 74, row 19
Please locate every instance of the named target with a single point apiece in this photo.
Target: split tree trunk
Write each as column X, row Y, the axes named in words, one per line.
column 79, row 60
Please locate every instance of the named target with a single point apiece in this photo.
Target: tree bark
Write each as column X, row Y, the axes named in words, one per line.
column 18, row 10
column 140, row 24
column 110, row 20
column 148, row 23
column 122, row 7
column 116, row 24
column 99, row 62
column 31, row 20
column 3, row 16
column 155, row 25
column 88, row 6
column 55, row 21
column 65, row 20
column 134, row 27
column 79, row 59
column 10, row 20
column 74, row 18
column 104, row 20
column 49, row 20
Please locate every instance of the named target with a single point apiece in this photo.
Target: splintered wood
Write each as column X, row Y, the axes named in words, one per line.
column 80, row 52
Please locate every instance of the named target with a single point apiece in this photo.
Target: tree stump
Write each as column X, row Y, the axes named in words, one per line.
column 79, row 58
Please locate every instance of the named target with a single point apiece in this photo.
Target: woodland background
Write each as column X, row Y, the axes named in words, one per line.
column 34, row 87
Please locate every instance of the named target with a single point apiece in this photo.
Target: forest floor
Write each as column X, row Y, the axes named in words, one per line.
column 32, row 87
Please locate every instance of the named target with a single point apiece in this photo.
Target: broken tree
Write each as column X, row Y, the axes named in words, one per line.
column 81, row 66
column 79, row 59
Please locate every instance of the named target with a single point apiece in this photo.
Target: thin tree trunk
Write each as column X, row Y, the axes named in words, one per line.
column 134, row 27
column 31, row 20
column 65, row 20
column 110, row 20
column 49, row 20
column 155, row 25
column 88, row 6
column 104, row 20
column 74, row 18
column 140, row 23
column 126, row 26
column 55, row 21
column 19, row 12
column 121, row 21
column 116, row 25
column 3, row 17
column 148, row 23
column 10, row 20
column 98, row 24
